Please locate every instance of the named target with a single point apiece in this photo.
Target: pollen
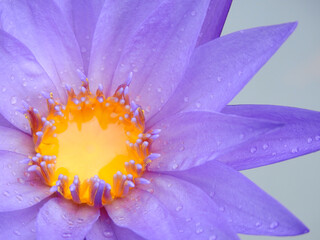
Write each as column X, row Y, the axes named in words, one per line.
column 92, row 149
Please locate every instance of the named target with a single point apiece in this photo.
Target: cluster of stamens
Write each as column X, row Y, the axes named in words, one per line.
column 115, row 112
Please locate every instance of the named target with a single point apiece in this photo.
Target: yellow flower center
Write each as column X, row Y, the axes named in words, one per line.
column 93, row 149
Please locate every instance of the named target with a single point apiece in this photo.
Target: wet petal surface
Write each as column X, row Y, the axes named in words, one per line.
column 299, row 135
column 241, row 202
column 18, row 189
column 219, row 69
column 190, row 139
column 182, row 211
column 61, row 219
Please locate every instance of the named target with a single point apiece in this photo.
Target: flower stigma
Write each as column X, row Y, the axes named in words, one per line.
column 92, row 149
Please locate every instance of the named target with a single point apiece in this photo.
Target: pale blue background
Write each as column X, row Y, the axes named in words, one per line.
column 291, row 78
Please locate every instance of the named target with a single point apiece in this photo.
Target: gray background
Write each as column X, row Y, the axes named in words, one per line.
column 291, row 78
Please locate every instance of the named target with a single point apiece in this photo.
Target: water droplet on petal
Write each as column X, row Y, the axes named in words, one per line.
column 294, row 150
column 213, row 237
column 66, row 235
column 253, row 149
column 4, row 89
column 108, row 234
column 19, row 197
column 16, row 232
column 258, row 224
column 317, row 138
column 265, row 146
column 13, row 100
column 309, row 140
column 178, row 208
column 188, row 219
column 274, row 225
column 186, row 99
column 175, row 166
column 6, row 193
column 193, row 13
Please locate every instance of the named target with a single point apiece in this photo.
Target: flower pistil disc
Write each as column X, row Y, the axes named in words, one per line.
column 92, row 149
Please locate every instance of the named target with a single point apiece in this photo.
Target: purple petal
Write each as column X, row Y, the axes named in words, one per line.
column 19, row 224
column 18, row 188
column 22, row 79
column 299, row 135
column 219, row 69
column 170, row 207
column 5, row 123
column 159, row 51
column 44, row 30
column 190, row 139
column 117, row 23
column 214, row 21
column 82, row 16
column 13, row 140
column 104, row 228
column 251, row 210
column 63, row 219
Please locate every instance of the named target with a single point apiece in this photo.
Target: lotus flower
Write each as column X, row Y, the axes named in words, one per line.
column 115, row 123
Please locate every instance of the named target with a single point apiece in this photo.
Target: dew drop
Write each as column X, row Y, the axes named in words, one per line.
column 199, row 230
column 175, row 166
column 159, row 90
column 317, row 138
column 6, row 193
column 213, row 237
column 108, row 234
column 4, row 89
column 265, row 146
column 193, row 13
column 274, row 225
column 21, row 180
column 221, row 209
column 13, row 100
column 198, row 105
column 294, row 150
column 219, row 79
column 188, row 219
column 169, row 185
column 258, row 224
column 309, row 140
column 16, row 232
column 186, row 99
column 19, row 197
column 80, row 220
column 179, row 208
column 12, row 77
column 253, row 149
column 66, row 235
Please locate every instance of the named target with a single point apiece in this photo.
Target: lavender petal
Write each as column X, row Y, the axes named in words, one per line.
column 219, row 69
column 299, row 135
column 190, row 139
column 60, row 219
column 250, row 209
column 18, row 189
